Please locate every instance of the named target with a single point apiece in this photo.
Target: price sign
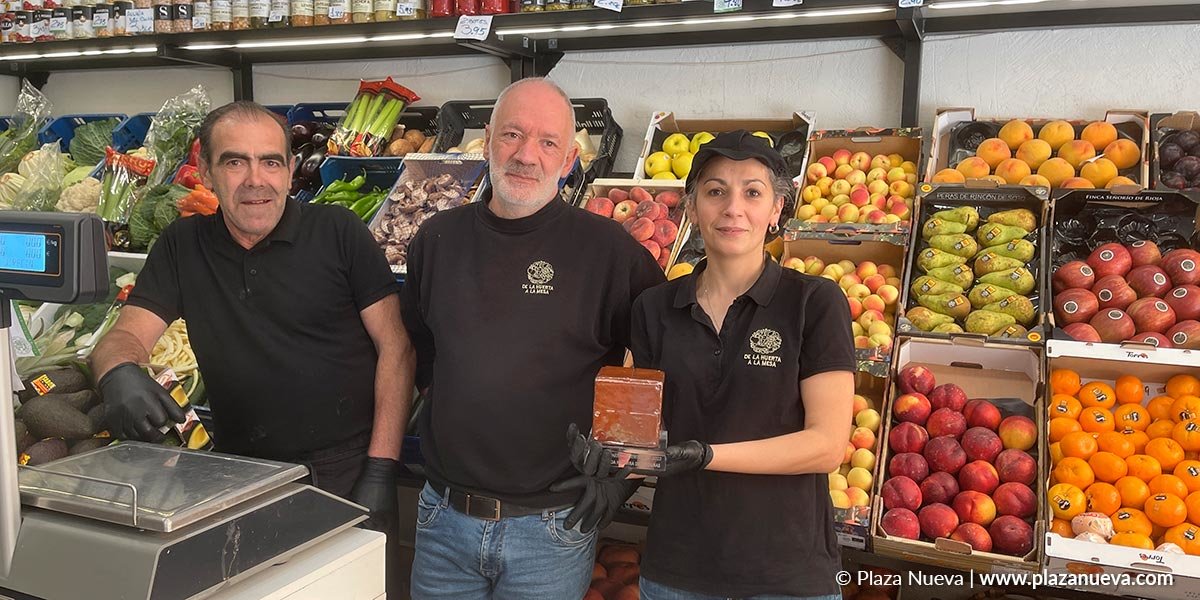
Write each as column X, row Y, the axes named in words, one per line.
column 786, row 3
column 722, row 6
column 406, row 10
column 613, row 5
column 337, row 12
column 473, row 27
column 139, row 20
column 911, row 3
column 199, row 23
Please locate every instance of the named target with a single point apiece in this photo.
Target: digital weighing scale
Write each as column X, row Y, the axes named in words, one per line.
column 137, row 521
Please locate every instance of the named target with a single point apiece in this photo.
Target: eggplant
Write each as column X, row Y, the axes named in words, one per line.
column 311, row 166
column 319, row 139
column 302, row 133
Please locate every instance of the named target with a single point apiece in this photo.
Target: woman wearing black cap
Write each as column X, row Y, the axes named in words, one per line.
column 759, row 365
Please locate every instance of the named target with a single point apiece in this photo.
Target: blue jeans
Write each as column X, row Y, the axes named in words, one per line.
column 461, row 557
column 657, row 591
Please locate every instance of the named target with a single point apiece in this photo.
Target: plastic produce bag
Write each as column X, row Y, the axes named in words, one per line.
column 122, row 176
column 32, row 110
column 172, row 130
column 43, row 171
column 369, row 120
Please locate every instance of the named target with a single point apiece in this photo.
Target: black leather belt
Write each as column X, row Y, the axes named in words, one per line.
column 492, row 509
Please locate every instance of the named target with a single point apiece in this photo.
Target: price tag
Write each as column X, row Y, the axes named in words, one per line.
column 139, row 20
column 613, row 5
column 911, row 3
column 786, row 3
column 337, row 12
column 406, row 10
column 473, row 27
column 275, row 17
column 723, row 6
column 58, row 24
column 199, row 23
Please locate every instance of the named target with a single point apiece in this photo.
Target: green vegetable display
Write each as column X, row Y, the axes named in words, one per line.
column 350, row 195
column 18, row 140
column 172, row 130
column 87, row 147
column 152, row 214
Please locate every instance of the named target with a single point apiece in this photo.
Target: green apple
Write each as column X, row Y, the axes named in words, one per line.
column 676, row 143
column 656, row 163
column 682, row 164
column 700, row 139
column 766, row 136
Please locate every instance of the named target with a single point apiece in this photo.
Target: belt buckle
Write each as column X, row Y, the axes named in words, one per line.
column 495, row 507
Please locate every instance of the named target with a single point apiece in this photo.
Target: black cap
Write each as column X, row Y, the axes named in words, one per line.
column 736, row 145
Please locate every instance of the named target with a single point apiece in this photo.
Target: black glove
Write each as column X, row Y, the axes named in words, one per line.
column 688, row 456
column 600, row 499
column 587, row 455
column 135, row 405
column 376, row 490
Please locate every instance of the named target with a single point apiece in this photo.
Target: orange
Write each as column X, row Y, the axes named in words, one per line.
column 1189, row 472
column 1132, row 416
column 1103, row 498
column 1074, row 471
column 1139, row 439
column 1168, row 484
column 1134, row 492
column 1064, row 381
column 1160, row 407
column 1062, row 405
column 1056, row 453
column 1132, row 520
column 1184, row 535
column 1192, row 502
column 1187, row 433
column 1079, row 444
column 1062, row 527
column 1183, row 385
column 1097, row 393
column 1067, row 501
column 1096, row 419
column 1106, row 466
column 1117, row 443
column 1166, row 451
column 1160, row 429
column 1185, row 407
column 1129, row 390
column 1143, row 467
column 1166, row 510
column 1061, row 426
column 1132, row 540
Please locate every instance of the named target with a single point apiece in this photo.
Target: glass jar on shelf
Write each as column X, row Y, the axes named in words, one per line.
column 533, row 5
column 320, row 13
column 441, row 8
column 260, row 14
column 362, row 11
column 466, row 7
column 385, row 10
column 339, row 12
column 494, row 7
column 222, row 16
column 302, row 13
column 183, row 11
column 280, row 14
column 239, row 11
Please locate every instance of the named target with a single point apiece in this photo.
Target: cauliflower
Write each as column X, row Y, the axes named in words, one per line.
column 10, row 184
column 81, row 197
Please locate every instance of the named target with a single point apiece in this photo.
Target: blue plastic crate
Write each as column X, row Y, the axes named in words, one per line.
column 279, row 109
column 423, row 118
column 62, row 129
column 132, row 132
column 5, row 123
column 381, row 172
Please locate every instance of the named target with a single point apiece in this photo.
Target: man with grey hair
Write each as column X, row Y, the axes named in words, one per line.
column 514, row 304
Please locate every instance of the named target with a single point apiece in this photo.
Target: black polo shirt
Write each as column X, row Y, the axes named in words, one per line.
column 732, row 534
column 512, row 319
column 287, row 362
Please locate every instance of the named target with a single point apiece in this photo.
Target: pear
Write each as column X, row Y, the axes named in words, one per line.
column 995, row 234
column 967, row 215
column 1014, row 332
column 988, row 322
column 936, row 226
column 1019, row 280
column 948, row 328
column 1017, row 217
column 924, row 319
column 953, row 305
column 990, row 262
column 1022, row 250
column 932, row 286
column 958, row 244
column 985, row 294
column 962, row 275
column 1020, row 307
column 932, row 258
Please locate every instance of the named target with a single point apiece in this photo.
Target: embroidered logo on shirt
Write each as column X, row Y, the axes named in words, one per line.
column 764, row 343
column 539, row 273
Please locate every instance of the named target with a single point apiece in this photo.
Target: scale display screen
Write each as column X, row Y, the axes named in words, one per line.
column 24, row 252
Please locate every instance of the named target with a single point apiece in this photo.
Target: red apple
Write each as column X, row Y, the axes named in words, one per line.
column 949, row 396
column 946, row 421
column 1110, row 259
column 981, row 413
column 1148, row 281
column 600, row 205
column 1183, row 266
column 1113, row 325
column 910, row 465
column 917, row 379
column 1082, row 332
column 1144, row 253
column 624, row 210
column 1185, row 301
column 939, row 487
column 1075, row 274
column 1114, row 292
column 1185, row 334
column 907, row 437
column 1157, row 340
column 1151, row 315
column 1075, row 305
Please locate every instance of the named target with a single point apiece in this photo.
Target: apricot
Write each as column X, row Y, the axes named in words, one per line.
column 993, row 151
column 1119, row 180
column 1014, row 170
column 1056, row 133
column 1056, row 171
column 1077, row 183
column 1077, row 152
column 974, row 168
column 1099, row 172
column 1099, row 133
column 1015, row 132
column 1034, row 153
column 1035, row 180
column 1124, row 153
column 948, row 176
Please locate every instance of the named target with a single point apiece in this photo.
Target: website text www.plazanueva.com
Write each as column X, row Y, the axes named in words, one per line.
column 971, row 579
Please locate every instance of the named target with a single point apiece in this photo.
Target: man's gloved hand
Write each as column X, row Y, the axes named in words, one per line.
column 587, row 455
column 688, row 456
column 601, row 498
column 376, row 490
column 136, row 406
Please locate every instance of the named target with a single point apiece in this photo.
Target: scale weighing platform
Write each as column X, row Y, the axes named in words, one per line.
column 136, row 521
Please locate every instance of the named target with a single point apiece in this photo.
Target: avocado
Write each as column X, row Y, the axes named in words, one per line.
column 24, row 439
column 81, row 401
column 49, row 417
column 60, row 380
column 49, row 449
column 90, row 444
column 96, row 415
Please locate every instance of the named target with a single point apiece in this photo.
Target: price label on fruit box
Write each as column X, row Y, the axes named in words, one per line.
column 613, row 5
column 723, row 6
column 473, row 27
column 911, row 3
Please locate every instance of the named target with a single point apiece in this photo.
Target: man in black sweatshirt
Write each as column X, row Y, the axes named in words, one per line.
column 513, row 304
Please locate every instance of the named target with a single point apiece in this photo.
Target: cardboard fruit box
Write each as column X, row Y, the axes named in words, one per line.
column 852, row 523
column 988, row 199
column 906, row 142
column 957, row 132
column 1005, row 376
column 1065, row 556
column 1166, row 129
column 1086, row 219
column 873, row 354
column 626, row 212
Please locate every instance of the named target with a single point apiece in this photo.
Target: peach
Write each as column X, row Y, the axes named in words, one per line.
column 829, row 164
column 1034, row 153
column 901, row 492
column 889, row 293
column 642, row 230
column 825, row 184
column 849, row 453
column 863, row 459
column 974, row 535
column 869, row 316
column 1077, row 152
column 874, row 302
column 981, row 413
column 980, row 443
column 939, row 487
column 1013, row 170
column 858, row 497
column 669, row 198
column 978, row 476
column 907, row 437
column 1077, row 183
column 861, row 292
column 886, row 270
column 640, row 195
column 859, row 477
column 1057, row 133
column 1018, row 432
column 848, row 213
column 837, row 481
column 840, row 187
column 916, row 379
column 896, row 174
column 937, row 520
column 665, row 232
column 876, row 217
column 998, row 180
column 1035, row 180
column 859, row 404
column 810, row 193
column 910, row 465
column 973, row 167
column 1015, row 132
column 813, row 265
column 862, row 438
column 948, row 395
column 993, row 151
column 618, row 195
column 868, row 419
column 842, row 171
column 861, row 161
column 841, row 156
column 1016, row 466
column 866, row 269
column 848, row 280
column 1016, row 499
column 652, row 247
column 945, row 454
column 839, row 499
column 1099, row 134
column 912, row 408
column 856, row 178
column 877, row 174
column 974, row 507
column 1011, row 535
column 874, row 282
column 946, row 421
column 840, row 199
column 903, row 189
column 860, row 197
column 878, row 187
column 901, row 522
column 949, row 176
column 881, row 161
column 1124, row 153
column 1099, row 172
column 1119, row 180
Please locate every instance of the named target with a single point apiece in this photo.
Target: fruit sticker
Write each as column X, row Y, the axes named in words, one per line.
column 43, row 385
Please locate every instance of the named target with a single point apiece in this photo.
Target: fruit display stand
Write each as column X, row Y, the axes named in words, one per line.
column 1114, row 256
column 650, row 211
column 865, row 177
column 1175, row 167
column 989, row 479
column 788, row 136
column 1040, row 151
column 977, row 263
column 1155, row 380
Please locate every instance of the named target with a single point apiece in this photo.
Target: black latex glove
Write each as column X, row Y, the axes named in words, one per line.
column 135, row 405
column 600, row 498
column 685, row 457
column 587, row 455
column 376, row 490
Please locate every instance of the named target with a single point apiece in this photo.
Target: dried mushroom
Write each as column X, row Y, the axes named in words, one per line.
column 412, row 203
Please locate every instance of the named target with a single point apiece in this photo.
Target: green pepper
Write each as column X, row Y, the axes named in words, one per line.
column 364, row 204
column 374, row 207
column 340, row 185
